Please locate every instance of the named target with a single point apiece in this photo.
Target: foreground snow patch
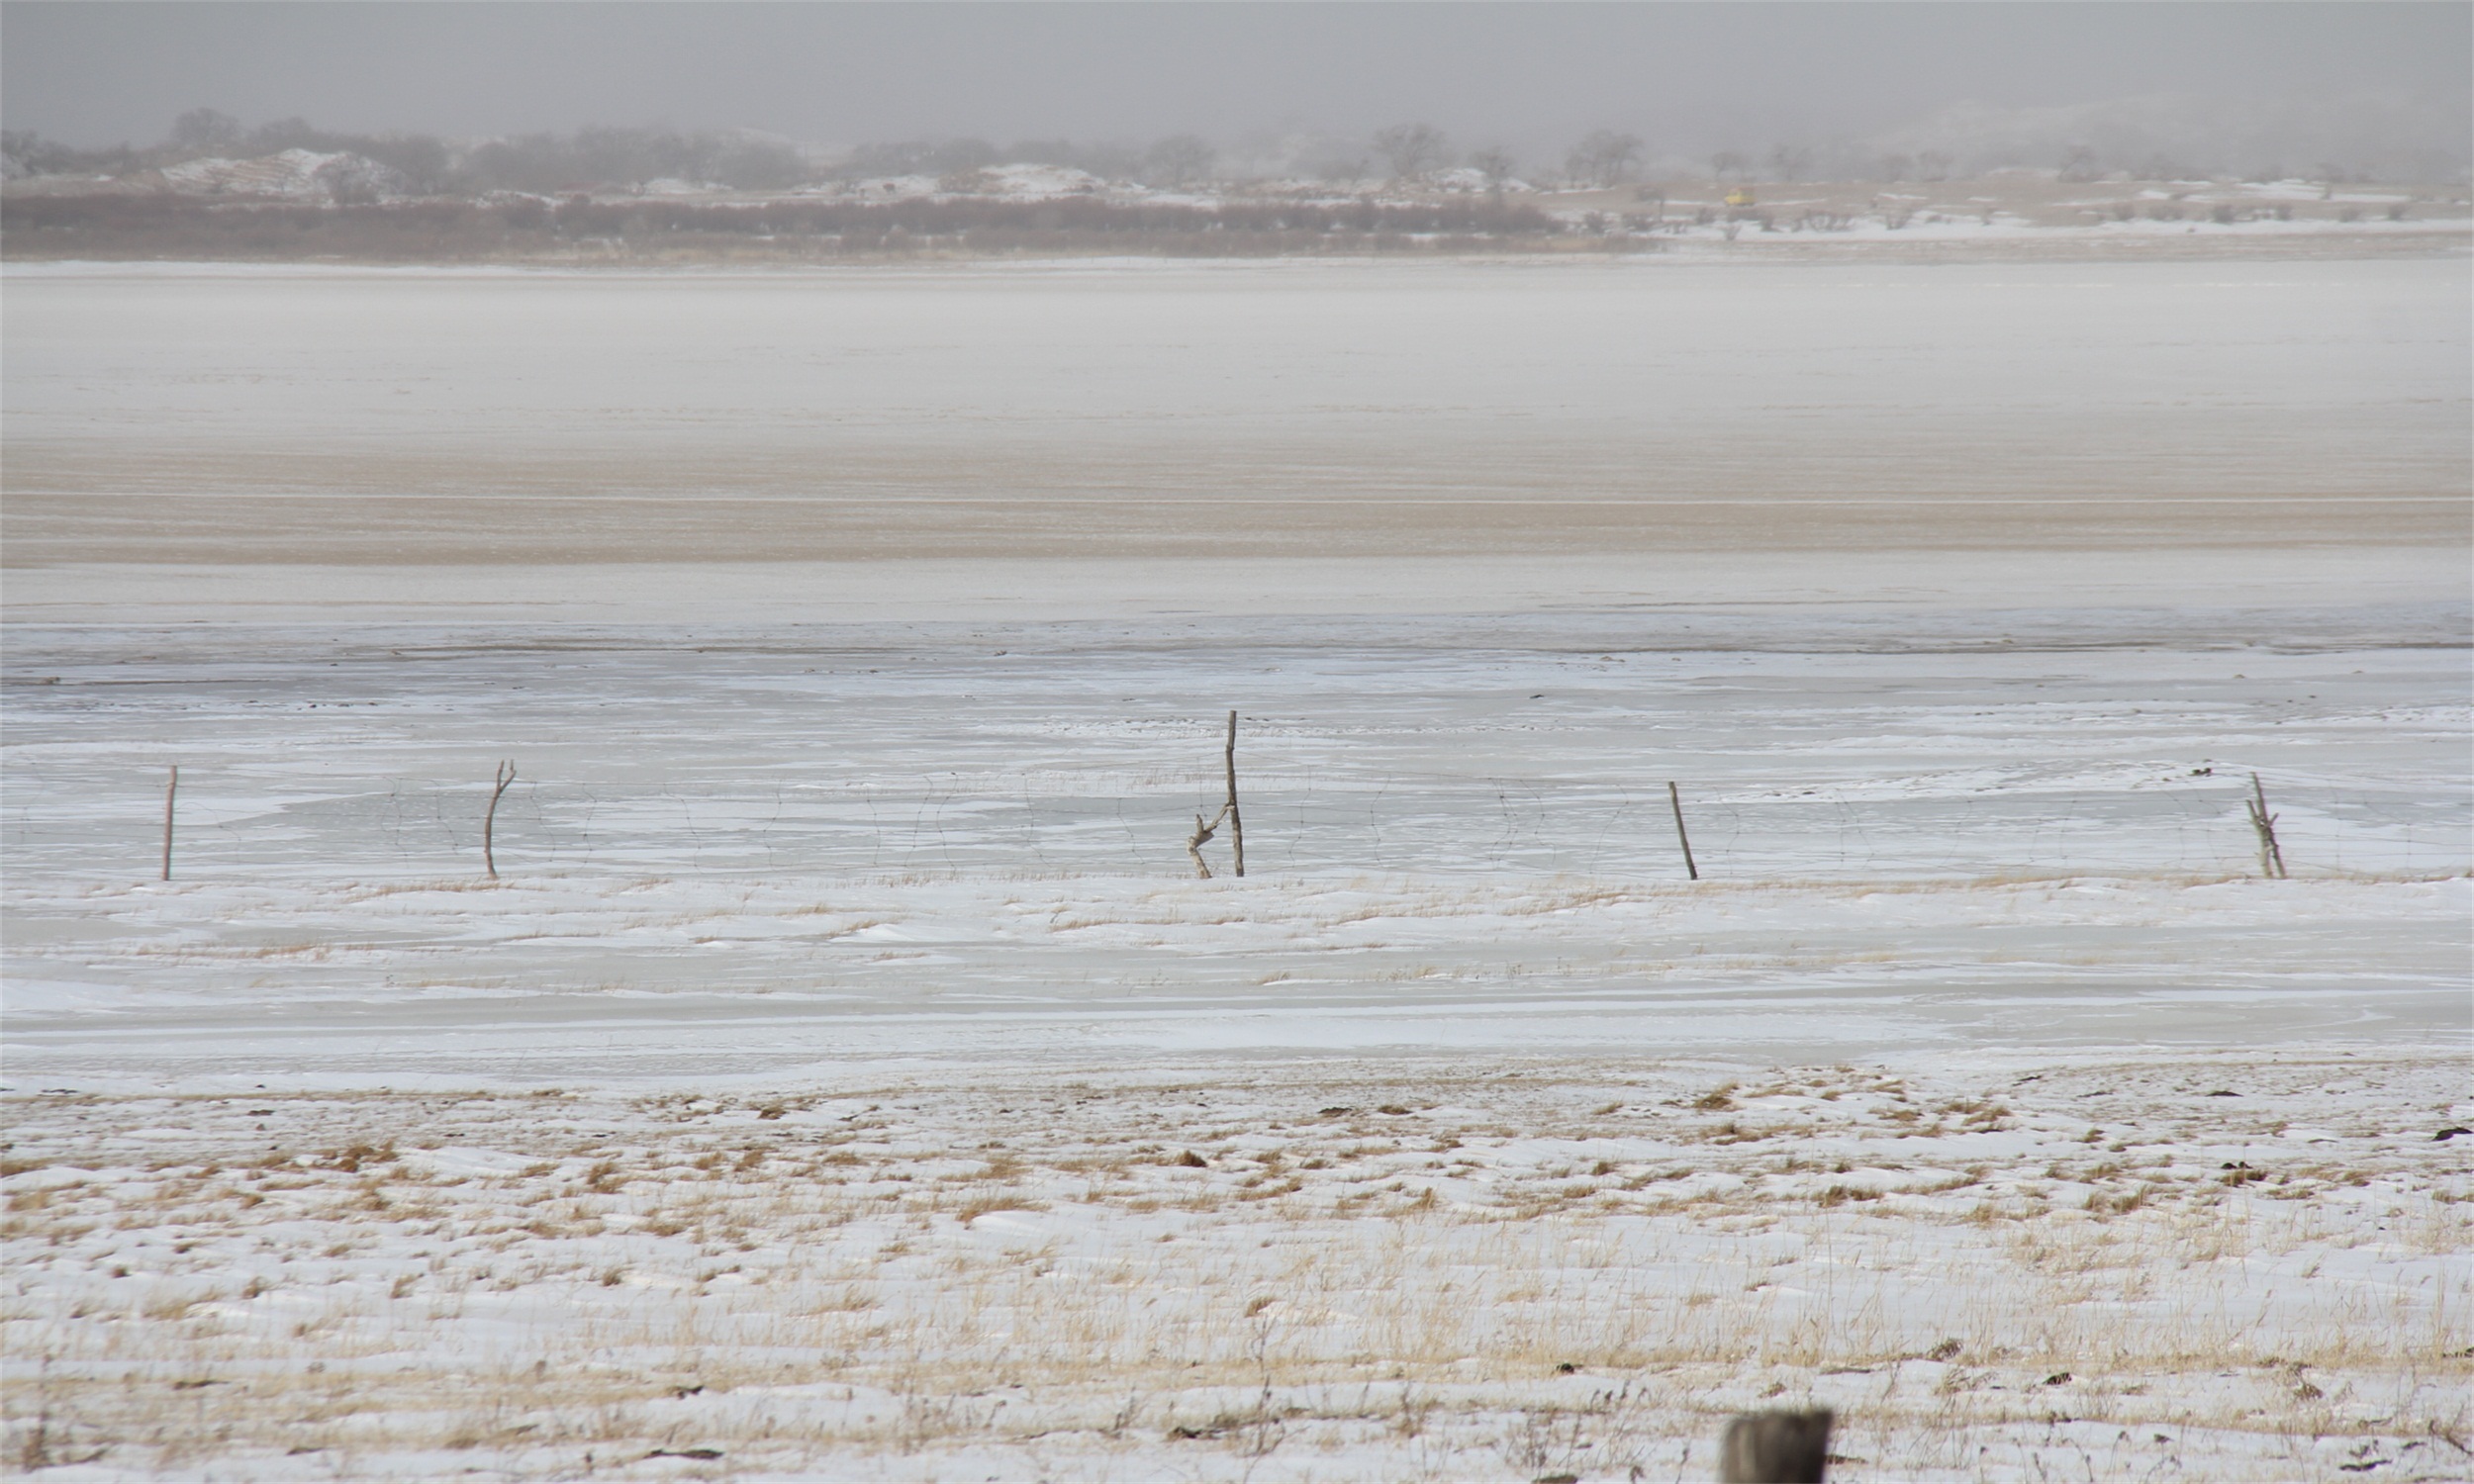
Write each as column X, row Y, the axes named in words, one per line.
column 2218, row 1266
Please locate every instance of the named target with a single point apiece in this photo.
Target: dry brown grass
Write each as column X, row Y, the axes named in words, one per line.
column 1312, row 1258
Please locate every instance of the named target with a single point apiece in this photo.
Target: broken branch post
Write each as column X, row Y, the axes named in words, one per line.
column 1202, row 833
column 171, row 786
column 489, row 820
column 1674, row 802
column 1205, row 828
column 2271, row 854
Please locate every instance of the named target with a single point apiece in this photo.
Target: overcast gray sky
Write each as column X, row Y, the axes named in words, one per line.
column 1532, row 75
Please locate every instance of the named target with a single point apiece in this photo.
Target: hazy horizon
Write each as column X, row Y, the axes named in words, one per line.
column 2358, row 81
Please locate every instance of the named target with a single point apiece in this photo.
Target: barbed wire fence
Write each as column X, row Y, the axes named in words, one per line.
column 1313, row 819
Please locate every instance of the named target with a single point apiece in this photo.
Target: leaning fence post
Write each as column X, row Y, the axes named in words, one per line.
column 489, row 820
column 171, row 786
column 1675, row 802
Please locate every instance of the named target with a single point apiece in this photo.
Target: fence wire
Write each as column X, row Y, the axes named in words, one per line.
column 1298, row 820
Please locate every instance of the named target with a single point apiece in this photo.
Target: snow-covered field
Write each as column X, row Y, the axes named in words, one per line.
column 2118, row 1265
column 847, row 1076
column 816, row 1087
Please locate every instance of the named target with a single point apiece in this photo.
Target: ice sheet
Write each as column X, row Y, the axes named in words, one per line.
column 790, row 842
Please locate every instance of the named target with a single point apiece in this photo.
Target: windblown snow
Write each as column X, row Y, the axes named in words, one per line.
column 845, row 1074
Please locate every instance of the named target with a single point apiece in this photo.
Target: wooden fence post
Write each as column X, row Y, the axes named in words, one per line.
column 1236, row 821
column 1675, row 802
column 488, row 821
column 171, row 786
column 1205, row 828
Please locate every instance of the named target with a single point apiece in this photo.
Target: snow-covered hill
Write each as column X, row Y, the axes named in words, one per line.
column 294, row 174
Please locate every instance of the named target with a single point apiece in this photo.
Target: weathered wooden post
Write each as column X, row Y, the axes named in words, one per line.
column 171, row 786
column 1205, row 828
column 1675, row 802
column 488, row 821
column 1236, row 822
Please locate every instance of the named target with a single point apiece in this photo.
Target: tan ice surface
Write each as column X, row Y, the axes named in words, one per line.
column 1632, row 417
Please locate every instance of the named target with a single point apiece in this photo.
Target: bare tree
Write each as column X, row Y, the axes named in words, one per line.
column 1728, row 162
column 1933, row 165
column 1496, row 164
column 917, row 158
column 1789, row 163
column 1108, row 161
column 1412, row 149
column 1341, row 171
column 205, row 129
column 1604, row 158
column 2078, row 164
column 1179, row 158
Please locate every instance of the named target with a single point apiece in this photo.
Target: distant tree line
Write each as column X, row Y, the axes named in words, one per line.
column 607, row 157
column 624, row 158
column 544, row 162
column 141, row 226
column 204, row 133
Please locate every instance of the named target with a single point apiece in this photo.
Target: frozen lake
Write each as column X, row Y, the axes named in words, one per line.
column 941, row 838
column 176, row 415
column 862, row 641
column 880, row 621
